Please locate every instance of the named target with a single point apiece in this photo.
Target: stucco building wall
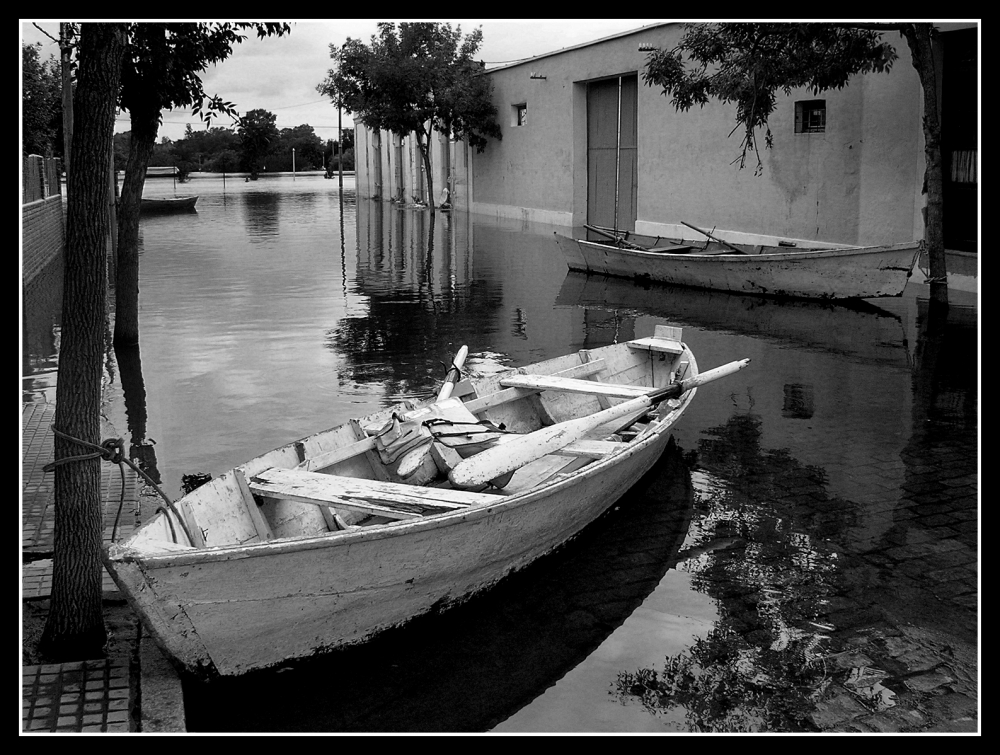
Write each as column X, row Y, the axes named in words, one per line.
column 858, row 182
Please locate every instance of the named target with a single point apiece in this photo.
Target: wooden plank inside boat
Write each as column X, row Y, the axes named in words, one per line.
column 551, row 382
column 387, row 499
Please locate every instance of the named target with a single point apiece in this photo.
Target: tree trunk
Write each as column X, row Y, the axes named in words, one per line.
column 74, row 629
column 423, row 142
column 145, row 123
column 920, row 38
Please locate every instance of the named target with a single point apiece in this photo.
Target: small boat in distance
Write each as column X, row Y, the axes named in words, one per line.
column 168, row 204
column 335, row 538
column 746, row 263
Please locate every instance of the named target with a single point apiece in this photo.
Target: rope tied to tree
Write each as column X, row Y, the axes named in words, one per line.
column 113, row 450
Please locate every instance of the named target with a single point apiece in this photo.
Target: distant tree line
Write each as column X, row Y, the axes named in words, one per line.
column 257, row 146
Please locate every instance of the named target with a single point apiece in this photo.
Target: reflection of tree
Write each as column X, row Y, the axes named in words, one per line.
column 939, row 497
column 262, row 214
column 754, row 671
column 420, row 303
column 141, row 450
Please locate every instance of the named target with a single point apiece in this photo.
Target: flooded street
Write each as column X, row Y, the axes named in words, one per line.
column 804, row 558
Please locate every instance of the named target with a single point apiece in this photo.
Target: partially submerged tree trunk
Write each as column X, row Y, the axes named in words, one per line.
column 423, row 142
column 74, row 629
column 920, row 38
column 145, row 124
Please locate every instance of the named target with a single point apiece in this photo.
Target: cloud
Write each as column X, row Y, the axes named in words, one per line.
column 280, row 74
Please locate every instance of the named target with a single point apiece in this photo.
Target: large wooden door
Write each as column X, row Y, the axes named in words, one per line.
column 612, row 152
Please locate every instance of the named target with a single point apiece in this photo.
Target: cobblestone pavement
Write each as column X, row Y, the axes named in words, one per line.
column 93, row 695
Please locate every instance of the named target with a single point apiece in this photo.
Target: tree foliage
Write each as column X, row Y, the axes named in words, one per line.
column 41, row 103
column 417, row 78
column 258, row 133
column 747, row 64
column 162, row 71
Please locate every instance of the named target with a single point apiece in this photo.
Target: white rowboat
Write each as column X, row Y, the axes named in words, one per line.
column 329, row 540
column 747, row 263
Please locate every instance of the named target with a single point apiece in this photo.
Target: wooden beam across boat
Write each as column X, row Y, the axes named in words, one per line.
column 554, row 383
column 389, row 499
column 483, row 403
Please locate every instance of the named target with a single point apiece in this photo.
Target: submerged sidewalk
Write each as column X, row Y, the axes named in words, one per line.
column 133, row 689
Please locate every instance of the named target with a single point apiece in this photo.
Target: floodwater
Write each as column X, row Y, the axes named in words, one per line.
column 822, row 498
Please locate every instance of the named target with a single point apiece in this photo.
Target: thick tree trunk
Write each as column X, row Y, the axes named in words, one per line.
column 920, row 38
column 74, row 629
column 145, row 123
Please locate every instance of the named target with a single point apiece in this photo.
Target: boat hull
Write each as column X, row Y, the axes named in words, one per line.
column 230, row 609
column 842, row 273
column 168, row 204
column 293, row 600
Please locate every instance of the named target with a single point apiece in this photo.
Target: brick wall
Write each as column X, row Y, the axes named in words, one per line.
column 42, row 235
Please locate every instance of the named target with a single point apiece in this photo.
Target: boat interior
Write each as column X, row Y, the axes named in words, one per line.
column 393, row 465
column 708, row 242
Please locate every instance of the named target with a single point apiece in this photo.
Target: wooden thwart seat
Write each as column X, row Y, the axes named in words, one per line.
column 674, row 249
column 665, row 338
column 553, row 382
column 482, row 403
column 388, row 499
column 593, row 449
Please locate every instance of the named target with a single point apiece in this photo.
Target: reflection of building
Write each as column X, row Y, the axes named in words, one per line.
column 602, row 147
column 832, row 382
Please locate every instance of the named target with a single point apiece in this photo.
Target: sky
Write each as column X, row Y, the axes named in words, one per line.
column 280, row 75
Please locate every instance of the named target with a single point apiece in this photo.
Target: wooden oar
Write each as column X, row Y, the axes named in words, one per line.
column 617, row 239
column 714, row 238
column 454, row 374
column 501, row 459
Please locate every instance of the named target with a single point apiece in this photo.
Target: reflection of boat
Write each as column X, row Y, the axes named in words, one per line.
column 332, row 539
column 489, row 657
column 747, row 263
column 856, row 330
column 168, row 204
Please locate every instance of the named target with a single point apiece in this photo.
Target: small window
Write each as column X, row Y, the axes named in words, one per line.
column 810, row 116
column 519, row 114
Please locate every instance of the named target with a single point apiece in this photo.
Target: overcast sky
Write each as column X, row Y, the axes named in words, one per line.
column 280, row 74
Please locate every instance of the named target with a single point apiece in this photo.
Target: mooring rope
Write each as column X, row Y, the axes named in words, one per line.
column 113, row 450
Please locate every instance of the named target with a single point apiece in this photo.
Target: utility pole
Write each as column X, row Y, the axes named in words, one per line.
column 67, row 95
column 340, row 148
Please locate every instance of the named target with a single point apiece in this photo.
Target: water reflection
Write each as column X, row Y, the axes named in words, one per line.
column 141, row 448
column 857, row 330
column 261, row 210
column 477, row 664
column 796, row 587
column 771, row 573
column 418, row 276
column 837, row 478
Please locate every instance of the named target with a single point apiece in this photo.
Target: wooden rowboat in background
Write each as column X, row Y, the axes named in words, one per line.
column 746, row 263
column 168, row 204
